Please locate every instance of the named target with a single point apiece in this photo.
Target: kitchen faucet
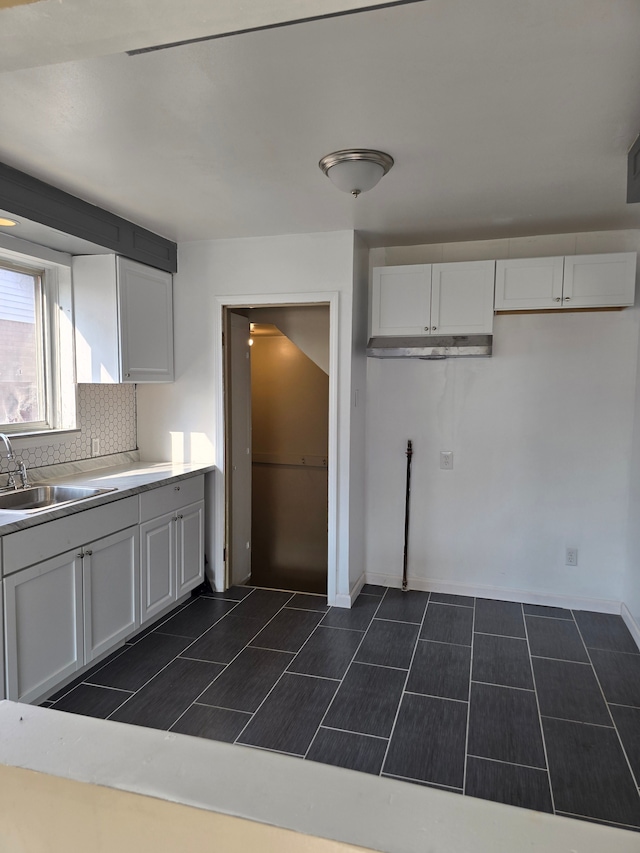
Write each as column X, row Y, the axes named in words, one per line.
column 22, row 468
column 7, row 444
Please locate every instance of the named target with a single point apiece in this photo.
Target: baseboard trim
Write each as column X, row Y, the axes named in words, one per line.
column 525, row 596
column 630, row 622
column 347, row 600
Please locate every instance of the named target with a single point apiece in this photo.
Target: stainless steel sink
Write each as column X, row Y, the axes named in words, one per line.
column 37, row 498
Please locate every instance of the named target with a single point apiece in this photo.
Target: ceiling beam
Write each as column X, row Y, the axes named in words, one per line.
column 24, row 195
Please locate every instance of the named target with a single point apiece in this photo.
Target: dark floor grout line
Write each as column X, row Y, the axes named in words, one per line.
column 425, row 782
column 612, row 651
column 356, row 650
column 250, row 645
column 433, row 696
column 466, row 736
column 542, row 736
column 577, row 722
column 504, row 636
column 305, row 609
column 395, row 621
column 598, row 820
column 504, row 686
column 339, row 628
column 267, row 749
column 350, row 732
column 381, row 665
column 561, row 660
column 622, row 705
column 509, row 763
column 443, row 642
column 310, row 675
column 543, row 616
column 219, row 707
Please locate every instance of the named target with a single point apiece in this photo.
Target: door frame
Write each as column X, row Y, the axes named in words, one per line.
column 280, row 300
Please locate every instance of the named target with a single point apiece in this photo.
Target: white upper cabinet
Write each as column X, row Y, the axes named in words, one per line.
column 593, row 281
column 438, row 299
column 575, row 281
column 124, row 320
column 526, row 283
column 401, row 300
column 462, row 298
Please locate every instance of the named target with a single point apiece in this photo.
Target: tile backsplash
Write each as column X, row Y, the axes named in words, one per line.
column 105, row 412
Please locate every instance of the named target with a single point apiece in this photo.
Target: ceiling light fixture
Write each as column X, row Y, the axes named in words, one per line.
column 356, row 170
column 7, row 223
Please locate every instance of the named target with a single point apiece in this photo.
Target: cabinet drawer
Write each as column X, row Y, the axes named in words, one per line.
column 35, row 544
column 169, row 498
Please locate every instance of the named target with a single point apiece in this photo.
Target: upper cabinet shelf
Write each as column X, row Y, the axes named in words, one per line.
column 573, row 281
column 124, row 320
column 433, row 299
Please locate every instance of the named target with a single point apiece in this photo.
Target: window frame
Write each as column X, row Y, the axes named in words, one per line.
column 57, row 340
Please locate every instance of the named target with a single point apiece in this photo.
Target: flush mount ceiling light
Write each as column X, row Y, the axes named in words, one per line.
column 7, row 223
column 356, row 170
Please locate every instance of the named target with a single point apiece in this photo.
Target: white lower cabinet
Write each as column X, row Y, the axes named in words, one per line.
column 66, row 603
column 64, row 612
column 43, row 625
column 171, row 544
column 110, row 591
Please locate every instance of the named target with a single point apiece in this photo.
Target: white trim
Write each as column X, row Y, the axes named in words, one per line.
column 524, row 596
column 331, row 297
column 347, row 600
column 630, row 622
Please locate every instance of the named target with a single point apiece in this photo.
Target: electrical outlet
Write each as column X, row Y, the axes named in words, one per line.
column 446, row 460
column 95, row 447
column 572, row 557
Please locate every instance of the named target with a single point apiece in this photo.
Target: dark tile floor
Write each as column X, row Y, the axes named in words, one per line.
column 532, row 706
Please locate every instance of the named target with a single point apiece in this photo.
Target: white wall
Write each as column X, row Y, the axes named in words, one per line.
column 542, row 441
column 178, row 421
column 631, row 589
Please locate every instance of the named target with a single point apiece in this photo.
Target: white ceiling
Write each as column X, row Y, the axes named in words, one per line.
column 504, row 118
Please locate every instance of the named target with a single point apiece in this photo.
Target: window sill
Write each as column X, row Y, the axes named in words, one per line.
column 37, row 439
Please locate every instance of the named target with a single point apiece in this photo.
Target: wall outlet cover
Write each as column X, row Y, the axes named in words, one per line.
column 572, row 557
column 446, row 460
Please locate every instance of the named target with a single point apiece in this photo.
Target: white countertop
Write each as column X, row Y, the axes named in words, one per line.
column 129, row 478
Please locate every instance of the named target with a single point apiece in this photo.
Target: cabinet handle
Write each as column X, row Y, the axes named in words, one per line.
column 180, row 516
column 433, row 328
column 176, row 488
column 426, row 328
column 80, row 556
column 567, row 298
column 558, row 299
column 88, row 553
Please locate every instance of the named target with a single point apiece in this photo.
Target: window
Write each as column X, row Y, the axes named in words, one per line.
column 23, row 361
column 37, row 391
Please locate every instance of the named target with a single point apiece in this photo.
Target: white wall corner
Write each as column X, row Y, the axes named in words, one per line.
column 630, row 622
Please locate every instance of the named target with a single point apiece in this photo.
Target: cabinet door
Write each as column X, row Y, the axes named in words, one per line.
column 157, row 565
column 190, row 542
column 462, row 298
column 111, row 578
column 592, row 281
column 401, row 299
column 529, row 283
column 43, row 625
column 145, row 304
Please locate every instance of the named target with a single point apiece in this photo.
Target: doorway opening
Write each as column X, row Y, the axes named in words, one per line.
column 277, row 446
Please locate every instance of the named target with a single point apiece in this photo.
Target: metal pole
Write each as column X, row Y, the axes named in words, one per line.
column 406, row 514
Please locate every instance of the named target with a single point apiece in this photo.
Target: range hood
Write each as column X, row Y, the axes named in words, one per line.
column 431, row 347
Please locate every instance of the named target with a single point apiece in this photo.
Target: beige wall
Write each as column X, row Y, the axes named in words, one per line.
column 44, row 814
column 290, row 444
